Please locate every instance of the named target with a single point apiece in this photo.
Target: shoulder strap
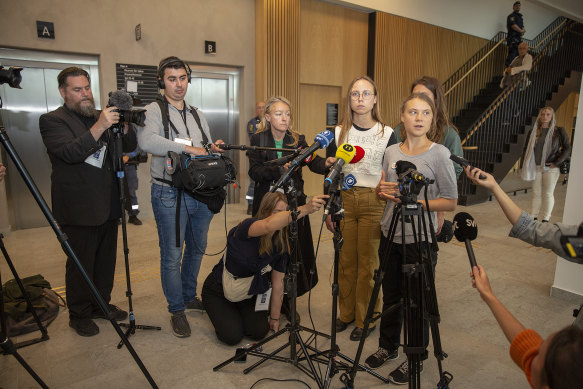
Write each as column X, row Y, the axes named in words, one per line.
column 194, row 112
column 163, row 104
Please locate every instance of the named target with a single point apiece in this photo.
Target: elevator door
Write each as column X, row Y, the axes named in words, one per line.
column 214, row 94
column 21, row 111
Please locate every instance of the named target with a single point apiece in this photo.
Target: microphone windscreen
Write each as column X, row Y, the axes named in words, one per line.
column 345, row 152
column 464, row 227
column 324, row 138
column 358, row 155
column 349, row 182
column 122, row 100
column 403, row 166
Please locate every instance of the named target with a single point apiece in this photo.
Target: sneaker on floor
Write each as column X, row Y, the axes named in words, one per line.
column 134, row 220
column 382, row 355
column 400, row 376
column 195, row 305
column 117, row 313
column 180, row 326
column 84, row 326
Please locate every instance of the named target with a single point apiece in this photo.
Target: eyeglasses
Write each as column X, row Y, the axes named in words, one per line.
column 366, row 95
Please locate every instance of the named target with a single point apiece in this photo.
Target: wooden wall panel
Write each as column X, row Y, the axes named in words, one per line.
column 406, row 49
column 278, row 49
column 567, row 112
column 313, row 100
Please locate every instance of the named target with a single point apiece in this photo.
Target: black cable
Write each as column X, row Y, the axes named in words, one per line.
column 280, row 380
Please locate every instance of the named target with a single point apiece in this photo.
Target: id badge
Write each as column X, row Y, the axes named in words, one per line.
column 184, row 141
column 96, row 159
column 262, row 302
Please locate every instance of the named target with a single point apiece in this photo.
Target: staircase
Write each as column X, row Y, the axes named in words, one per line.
column 492, row 133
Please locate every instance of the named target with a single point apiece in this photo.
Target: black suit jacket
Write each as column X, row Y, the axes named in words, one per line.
column 264, row 176
column 82, row 194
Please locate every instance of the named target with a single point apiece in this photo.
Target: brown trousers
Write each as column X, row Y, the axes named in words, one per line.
column 359, row 259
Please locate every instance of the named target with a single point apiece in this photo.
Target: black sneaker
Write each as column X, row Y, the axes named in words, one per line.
column 180, row 326
column 342, row 325
column 84, row 326
column 117, row 313
column 382, row 355
column 134, row 220
column 400, row 376
column 195, row 305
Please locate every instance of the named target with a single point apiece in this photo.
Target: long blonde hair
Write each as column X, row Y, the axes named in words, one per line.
column 347, row 116
column 266, row 126
column 433, row 133
column 539, row 124
column 279, row 241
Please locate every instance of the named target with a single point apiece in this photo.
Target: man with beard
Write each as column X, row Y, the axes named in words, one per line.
column 85, row 194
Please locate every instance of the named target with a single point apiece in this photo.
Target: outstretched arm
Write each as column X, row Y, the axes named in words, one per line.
column 279, row 220
column 508, row 323
column 509, row 207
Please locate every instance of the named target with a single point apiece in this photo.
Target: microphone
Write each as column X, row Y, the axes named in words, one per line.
column 321, row 141
column 464, row 163
column 344, row 155
column 349, row 180
column 465, row 230
column 406, row 167
column 358, row 155
column 122, row 100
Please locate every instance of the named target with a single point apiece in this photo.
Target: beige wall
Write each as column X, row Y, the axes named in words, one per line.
column 177, row 27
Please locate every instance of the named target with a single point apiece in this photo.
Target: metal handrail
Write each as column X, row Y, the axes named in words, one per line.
column 504, row 95
column 499, row 42
column 473, row 67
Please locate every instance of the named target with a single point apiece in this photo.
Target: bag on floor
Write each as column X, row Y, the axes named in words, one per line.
column 45, row 302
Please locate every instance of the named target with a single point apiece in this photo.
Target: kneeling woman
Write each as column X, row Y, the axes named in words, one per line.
column 257, row 253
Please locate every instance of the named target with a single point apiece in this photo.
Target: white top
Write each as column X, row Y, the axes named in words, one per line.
column 374, row 142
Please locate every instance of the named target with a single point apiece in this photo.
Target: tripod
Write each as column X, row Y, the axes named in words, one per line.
column 7, row 345
column 331, row 356
column 132, row 326
column 419, row 300
column 293, row 329
column 64, row 240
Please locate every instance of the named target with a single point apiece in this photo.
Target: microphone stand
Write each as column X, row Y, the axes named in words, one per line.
column 64, row 240
column 254, row 148
column 116, row 130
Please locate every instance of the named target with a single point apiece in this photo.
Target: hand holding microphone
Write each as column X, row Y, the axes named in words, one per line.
column 344, row 155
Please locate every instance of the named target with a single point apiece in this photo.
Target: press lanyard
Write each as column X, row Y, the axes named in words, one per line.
column 183, row 116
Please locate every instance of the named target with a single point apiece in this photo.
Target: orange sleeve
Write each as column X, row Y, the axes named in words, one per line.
column 524, row 348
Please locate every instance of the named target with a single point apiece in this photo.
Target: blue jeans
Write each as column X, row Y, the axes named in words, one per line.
column 179, row 272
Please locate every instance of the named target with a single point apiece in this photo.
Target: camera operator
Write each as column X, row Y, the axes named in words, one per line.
column 524, row 227
column 85, row 194
column 554, row 363
column 172, row 125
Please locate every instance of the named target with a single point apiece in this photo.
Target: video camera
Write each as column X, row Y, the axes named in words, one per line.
column 124, row 103
column 410, row 181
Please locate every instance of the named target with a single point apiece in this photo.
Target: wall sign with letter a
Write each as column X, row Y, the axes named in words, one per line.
column 45, row 30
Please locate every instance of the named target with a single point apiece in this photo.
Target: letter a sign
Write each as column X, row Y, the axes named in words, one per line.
column 45, row 30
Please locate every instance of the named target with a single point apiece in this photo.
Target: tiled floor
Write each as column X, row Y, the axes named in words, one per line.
column 478, row 352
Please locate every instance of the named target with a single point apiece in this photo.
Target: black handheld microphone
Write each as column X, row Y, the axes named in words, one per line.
column 464, row 163
column 465, row 230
